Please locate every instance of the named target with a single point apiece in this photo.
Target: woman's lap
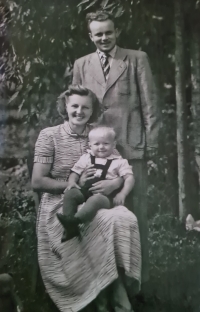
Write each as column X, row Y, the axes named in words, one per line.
column 75, row 272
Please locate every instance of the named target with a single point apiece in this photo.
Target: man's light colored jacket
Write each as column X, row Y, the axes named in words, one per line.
column 128, row 98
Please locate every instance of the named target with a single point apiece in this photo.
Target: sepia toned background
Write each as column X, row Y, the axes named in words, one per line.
column 39, row 42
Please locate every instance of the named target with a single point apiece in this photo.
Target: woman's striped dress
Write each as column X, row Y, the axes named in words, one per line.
column 76, row 271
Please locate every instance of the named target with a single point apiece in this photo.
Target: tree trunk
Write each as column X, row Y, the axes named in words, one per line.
column 195, row 79
column 195, row 76
column 180, row 107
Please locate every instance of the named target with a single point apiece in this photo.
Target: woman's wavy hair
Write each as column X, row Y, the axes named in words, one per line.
column 82, row 91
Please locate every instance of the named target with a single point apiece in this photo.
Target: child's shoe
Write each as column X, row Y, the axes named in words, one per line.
column 70, row 225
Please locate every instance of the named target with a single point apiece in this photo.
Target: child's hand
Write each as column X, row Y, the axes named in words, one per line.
column 119, row 199
column 72, row 185
column 87, row 174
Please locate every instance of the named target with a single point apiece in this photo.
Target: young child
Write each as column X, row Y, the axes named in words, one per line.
column 102, row 142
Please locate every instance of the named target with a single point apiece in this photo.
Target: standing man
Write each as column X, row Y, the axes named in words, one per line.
column 123, row 83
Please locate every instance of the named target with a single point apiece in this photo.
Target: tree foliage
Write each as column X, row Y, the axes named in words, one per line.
column 45, row 39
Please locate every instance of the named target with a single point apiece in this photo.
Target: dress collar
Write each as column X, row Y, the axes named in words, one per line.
column 69, row 131
column 112, row 156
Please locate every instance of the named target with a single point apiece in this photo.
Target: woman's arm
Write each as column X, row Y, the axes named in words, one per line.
column 41, row 182
column 106, row 187
column 73, row 180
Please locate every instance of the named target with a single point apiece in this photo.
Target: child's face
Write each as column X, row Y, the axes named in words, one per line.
column 102, row 145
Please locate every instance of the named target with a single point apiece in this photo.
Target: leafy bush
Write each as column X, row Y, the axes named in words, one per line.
column 174, row 258
column 174, row 261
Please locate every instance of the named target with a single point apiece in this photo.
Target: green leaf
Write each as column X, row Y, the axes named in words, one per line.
column 21, row 106
column 91, row 4
column 27, row 67
column 13, row 97
column 82, row 2
column 112, row 5
column 104, row 4
column 119, row 12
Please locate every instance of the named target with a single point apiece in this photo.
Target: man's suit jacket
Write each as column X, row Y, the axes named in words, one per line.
column 128, row 98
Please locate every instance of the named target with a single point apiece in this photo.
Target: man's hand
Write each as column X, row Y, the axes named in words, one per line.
column 119, row 199
column 106, row 187
column 87, row 175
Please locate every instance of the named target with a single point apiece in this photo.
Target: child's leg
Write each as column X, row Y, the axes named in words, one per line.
column 92, row 205
column 72, row 198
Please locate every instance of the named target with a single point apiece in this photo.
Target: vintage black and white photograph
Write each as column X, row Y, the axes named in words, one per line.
column 100, row 156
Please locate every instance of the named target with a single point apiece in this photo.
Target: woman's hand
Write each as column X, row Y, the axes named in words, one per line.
column 87, row 174
column 106, row 187
column 72, row 185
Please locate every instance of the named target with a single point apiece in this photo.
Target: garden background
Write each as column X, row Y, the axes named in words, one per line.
column 39, row 42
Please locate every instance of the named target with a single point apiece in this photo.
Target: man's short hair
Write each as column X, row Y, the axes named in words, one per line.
column 99, row 16
column 82, row 91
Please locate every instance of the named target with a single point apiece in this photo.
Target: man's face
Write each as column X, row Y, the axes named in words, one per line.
column 103, row 34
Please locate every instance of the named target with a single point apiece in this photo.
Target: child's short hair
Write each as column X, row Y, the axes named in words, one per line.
column 102, row 130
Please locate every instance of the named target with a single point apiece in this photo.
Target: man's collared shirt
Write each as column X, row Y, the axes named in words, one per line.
column 110, row 54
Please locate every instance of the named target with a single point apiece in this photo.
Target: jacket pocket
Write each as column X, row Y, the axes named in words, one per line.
column 124, row 86
column 135, row 130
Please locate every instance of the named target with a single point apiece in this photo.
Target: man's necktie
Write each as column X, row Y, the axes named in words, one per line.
column 105, row 65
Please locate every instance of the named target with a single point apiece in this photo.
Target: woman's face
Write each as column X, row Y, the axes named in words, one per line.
column 79, row 109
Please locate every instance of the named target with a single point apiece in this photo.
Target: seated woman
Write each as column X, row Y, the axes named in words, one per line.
column 75, row 272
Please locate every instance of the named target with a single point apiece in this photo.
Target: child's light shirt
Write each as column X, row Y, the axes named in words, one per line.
column 119, row 166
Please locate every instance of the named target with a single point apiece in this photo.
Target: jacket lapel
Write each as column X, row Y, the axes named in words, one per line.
column 117, row 68
column 95, row 69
